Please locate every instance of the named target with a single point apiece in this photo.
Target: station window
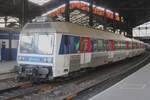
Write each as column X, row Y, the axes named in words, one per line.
column 69, row 44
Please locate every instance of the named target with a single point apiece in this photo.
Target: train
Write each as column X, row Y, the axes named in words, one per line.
column 48, row 50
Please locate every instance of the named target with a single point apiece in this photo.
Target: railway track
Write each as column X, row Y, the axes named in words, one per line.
column 6, row 76
column 8, row 84
column 22, row 90
column 7, row 80
column 17, row 92
column 69, row 89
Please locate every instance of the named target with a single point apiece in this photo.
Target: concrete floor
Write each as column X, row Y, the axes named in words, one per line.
column 7, row 66
column 134, row 87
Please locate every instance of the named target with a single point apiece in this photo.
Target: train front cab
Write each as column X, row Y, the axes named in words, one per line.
column 36, row 52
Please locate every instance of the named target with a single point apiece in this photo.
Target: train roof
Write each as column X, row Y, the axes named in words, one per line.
column 73, row 29
column 134, row 40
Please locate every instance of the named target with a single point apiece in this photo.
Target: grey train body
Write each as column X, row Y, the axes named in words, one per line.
column 55, row 49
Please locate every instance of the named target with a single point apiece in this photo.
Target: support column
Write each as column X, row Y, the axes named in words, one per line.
column 20, row 22
column 67, row 10
column 24, row 14
column 104, row 19
column 120, row 31
column 114, row 27
column 91, row 12
column 146, row 28
column 10, row 46
column 5, row 19
column 129, row 32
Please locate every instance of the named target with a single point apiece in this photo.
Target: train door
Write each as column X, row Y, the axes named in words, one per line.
column 65, row 50
column 85, row 50
column 110, row 49
column 70, row 49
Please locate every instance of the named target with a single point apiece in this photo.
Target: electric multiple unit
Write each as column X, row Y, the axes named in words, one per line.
column 55, row 49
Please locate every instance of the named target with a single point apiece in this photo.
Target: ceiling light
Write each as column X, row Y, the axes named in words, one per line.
column 40, row 2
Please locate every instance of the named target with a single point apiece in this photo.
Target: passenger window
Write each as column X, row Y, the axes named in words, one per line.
column 112, row 45
column 120, row 44
column 85, row 44
column 130, row 45
column 94, row 45
column 123, row 45
column 100, row 45
column 66, row 40
column 74, row 44
column 133, row 45
column 105, row 44
column 127, row 45
column 69, row 44
column 109, row 45
column 77, row 44
column 117, row 45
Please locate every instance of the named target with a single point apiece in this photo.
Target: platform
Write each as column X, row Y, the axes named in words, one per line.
column 134, row 87
column 7, row 66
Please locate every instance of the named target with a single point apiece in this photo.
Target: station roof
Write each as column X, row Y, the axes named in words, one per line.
column 14, row 8
column 135, row 12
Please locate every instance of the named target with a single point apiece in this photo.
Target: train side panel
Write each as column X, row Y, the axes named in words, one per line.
column 69, row 58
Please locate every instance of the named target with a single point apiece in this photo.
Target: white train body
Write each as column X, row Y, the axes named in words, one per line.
column 54, row 49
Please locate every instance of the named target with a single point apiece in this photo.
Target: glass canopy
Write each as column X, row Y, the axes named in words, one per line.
column 142, row 30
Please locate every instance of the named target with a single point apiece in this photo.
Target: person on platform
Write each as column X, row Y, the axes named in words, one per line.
column 3, row 52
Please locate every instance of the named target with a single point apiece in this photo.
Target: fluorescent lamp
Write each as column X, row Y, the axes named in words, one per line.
column 40, row 2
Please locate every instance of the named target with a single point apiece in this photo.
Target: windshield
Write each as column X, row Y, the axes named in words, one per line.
column 37, row 43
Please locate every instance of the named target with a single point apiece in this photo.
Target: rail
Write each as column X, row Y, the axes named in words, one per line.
column 69, row 89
